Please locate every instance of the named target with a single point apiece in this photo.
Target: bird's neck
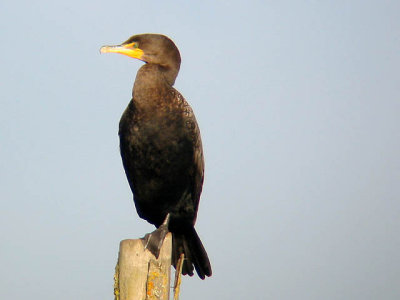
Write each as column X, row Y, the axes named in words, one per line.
column 152, row 81
column 152, row 72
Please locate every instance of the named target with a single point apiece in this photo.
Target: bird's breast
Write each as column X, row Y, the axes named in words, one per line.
column 156, row 135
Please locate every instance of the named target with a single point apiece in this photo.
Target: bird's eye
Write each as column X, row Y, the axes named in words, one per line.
column 135, row 45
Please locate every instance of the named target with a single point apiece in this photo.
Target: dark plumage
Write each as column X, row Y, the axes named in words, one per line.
column 161, row 148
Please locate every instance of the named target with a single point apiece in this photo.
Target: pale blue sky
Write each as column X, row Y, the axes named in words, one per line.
column 298, row 103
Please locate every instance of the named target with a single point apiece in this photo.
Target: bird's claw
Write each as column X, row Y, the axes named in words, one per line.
column 153, row 241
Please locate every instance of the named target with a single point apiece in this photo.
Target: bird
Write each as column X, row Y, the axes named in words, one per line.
column 162, row 152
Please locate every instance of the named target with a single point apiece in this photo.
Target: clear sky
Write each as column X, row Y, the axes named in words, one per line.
column 298, row 103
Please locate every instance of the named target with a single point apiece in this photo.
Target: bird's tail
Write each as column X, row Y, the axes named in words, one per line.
column 196, row 256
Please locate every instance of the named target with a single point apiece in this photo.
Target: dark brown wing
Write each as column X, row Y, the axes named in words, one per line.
column 198, row 158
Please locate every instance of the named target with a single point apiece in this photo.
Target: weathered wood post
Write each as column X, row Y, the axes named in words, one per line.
column 139, row 275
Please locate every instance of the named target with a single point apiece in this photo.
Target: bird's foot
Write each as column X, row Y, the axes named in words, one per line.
column 153, row 241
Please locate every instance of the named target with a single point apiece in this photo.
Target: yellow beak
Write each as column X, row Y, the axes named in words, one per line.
column 130, row 50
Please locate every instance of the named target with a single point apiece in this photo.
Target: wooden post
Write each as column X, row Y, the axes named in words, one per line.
column 139, row 275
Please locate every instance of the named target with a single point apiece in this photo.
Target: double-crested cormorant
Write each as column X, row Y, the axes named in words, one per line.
column 161, row 148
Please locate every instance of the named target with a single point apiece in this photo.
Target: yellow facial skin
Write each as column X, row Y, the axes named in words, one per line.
column 130, row 50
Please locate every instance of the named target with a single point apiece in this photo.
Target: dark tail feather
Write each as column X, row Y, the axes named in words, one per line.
column 196, row 257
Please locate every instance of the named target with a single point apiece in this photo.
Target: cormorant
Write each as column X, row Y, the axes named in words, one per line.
column 161, row 149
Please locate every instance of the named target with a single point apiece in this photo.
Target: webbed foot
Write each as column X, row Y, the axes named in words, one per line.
column 153, row 241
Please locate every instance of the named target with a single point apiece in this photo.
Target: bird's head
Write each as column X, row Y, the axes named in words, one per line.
column 150, row 48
